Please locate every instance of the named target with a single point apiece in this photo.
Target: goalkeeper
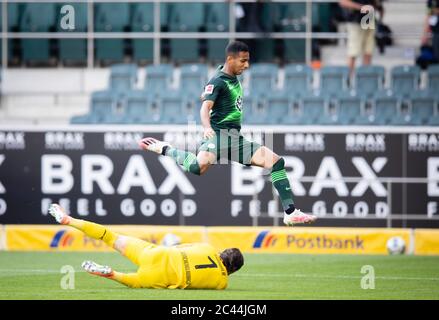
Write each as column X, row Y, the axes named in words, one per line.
column 194, row 266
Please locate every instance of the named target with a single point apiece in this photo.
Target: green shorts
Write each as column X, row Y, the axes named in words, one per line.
column 230, row 145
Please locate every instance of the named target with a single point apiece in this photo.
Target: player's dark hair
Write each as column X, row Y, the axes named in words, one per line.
column 232, row 259
column 235, row 47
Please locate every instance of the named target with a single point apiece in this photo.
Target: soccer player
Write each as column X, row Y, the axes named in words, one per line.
column 195, row 265
column 221, row 116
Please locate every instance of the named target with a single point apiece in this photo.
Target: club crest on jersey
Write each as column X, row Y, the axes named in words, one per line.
column 208, row 89
column 239, row 103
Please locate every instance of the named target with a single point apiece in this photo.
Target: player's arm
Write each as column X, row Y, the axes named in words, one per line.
column 209, row 96
column 205, row 118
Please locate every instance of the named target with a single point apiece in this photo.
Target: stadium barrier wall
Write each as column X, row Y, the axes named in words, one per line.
column 348, row 176
column 309, row 240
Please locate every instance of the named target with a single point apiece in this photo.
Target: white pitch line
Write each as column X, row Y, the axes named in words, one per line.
column 299, row 275
column 9, row 272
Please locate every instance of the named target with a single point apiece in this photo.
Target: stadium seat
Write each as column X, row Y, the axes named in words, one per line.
column 158, row 79
column 423, row 107
column 389, row 109
column 171, row 108
column 350, row 107
column 298, row 79
column 193, row 78
column 217, row 20
column 263, row 78
column 37, row 17
column 101, row 107
column 123, row 76
column 369, row 79
column 313, row 105
column 256, row 111
column 405, row 79
column 433, row 77
column 141, row 108
column 191, row 110
column 74, row 51
column 111, row 17
column 278, row 105
column 186, row 50
column 334, row 79
column 293, row 17
column 14, row 45
column 143, row 21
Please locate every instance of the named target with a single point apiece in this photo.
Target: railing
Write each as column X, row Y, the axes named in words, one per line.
column 157, row 34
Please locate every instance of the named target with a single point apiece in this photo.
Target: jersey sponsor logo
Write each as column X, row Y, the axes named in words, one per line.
column 208, row 89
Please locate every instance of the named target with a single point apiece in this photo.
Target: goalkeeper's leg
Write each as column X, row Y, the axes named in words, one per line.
column 131, row 280
column 127, row 246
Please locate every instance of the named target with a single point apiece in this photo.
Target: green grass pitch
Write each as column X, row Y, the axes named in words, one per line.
column 30, row 275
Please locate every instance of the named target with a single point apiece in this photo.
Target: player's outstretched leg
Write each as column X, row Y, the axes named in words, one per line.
column 93, row 230
column 129, row 279
column 129, row 247
column 280, row 181
column 184, row 158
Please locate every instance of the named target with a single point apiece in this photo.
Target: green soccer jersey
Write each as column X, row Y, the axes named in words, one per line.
column 226, row 93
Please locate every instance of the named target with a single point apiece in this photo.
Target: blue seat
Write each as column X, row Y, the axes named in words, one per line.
column 298, row 79
column 171, row 108
column 14, row 45
column 369, row 79
column 74, row 51
column 37, row 18
column 111, row 17
column 143, row 21
column 191, row 110
column 158, row 79
column 278, row 105
column 389, row 109
column 423, row 107
column 263, row 78
column 217, row 20
column 334, row 79
column 313, row 105
column 102, row 105
column 405, row 79
column 433, row 77
column 293, row 19
column 141, row 108
column 256, row 111
column 193, row 78
column 186, row 50
column 350, row 107
column 123, row 76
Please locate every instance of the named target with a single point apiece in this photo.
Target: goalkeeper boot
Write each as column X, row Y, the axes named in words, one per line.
column 154, row 145
column 97, row 269
column 59, row 214
column 298, row 217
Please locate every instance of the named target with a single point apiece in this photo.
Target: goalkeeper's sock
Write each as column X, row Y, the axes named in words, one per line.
column 280, row 182
column 131, row 280
column 186, row 159
column 94, row 230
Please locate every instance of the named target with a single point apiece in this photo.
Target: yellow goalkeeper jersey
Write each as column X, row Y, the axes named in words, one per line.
column 195, row 265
